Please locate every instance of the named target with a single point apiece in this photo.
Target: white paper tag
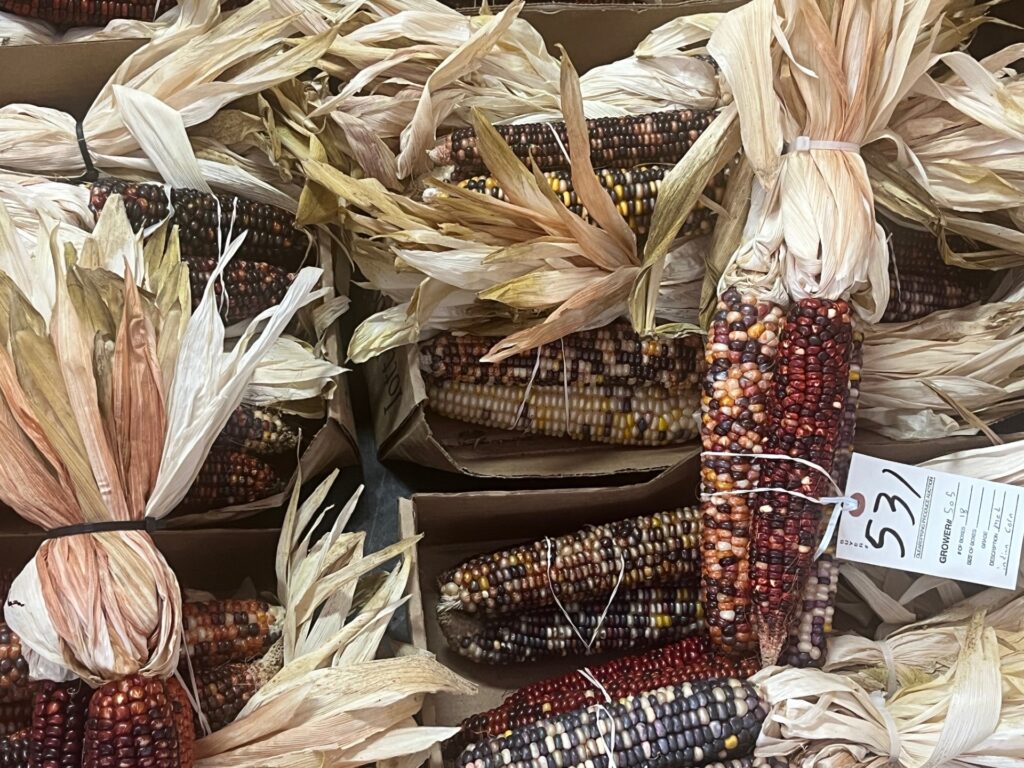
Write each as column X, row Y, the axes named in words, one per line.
column 934, row 523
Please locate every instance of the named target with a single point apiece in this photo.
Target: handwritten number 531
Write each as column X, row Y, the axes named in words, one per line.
column 896, row 503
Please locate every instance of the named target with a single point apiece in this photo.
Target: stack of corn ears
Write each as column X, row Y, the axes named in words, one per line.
column 330, row 701
column 966, row 710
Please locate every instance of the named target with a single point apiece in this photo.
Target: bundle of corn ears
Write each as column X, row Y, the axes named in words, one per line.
column 969, row 714
column 333, row 703
column 110, row 403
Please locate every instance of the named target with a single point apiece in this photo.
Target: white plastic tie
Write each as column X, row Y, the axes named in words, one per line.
column 895, row 743
column 609, row 746
column 807, row 144
column 588, row 644
column 839, row 503
column 892, row 680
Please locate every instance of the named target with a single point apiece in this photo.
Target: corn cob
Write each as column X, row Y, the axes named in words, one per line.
column 741, row 352
column 259, row 431
column 14, row 749
column 636, row 619
column 181, row 708
column 252, row 286
column 809, row 393
column 59, row 718
column 85, row 13
column 231, row 477
column 687, row 660
column 225, row 690
column 808, row 636
column 658, row 549
column 203, row 220
column 615, row 142
column 16, row 716
column 684, row 725
column 137, row 722
column 921, row 281
column 614, row 354
column 14, row 682
column 620, row 415
column 221, row 631
column 634, row 192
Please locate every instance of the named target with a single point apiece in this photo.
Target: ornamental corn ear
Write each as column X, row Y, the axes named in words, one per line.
column 809, row 393
column 138, row 723
column 615, row 142
column 741, row 354
column 14, row 750
column 250, row 286
column 86, row 13
column 221, row 631
column 205, row 220
column 685, row 725
column 14, row 682
column 634, row 192
column 225, row 690
column 16, row 716
column 59, row 716
column 684, row 661
column 258, row 431
column 636, row 619
column 231, row 477
column 655, row 550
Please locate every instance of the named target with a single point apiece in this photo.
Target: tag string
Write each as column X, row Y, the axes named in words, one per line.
column 840, row 503
column 609, row 746
column 895, row 743
column 588, row 644
column 892, row 681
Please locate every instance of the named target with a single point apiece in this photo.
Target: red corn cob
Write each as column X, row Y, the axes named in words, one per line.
column 58, row 725
column 137, row 723
column 14, row 682
column 808, row 636
column 14, row 750
column 252, row 286
column 808, row 402
column 85, row 13
column 221, row 631
column 16, row 716
column 231, row 477
column 741, row 352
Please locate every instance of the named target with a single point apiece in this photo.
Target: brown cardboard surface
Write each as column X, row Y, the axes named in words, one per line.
column 65, row 76
column 406, row 430
column 458, row 526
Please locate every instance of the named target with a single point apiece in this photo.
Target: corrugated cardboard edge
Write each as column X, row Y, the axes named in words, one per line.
column 335, row 444
column 406, row 431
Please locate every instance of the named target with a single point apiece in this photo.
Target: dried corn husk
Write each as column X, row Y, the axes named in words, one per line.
column 945, row 374
column 86, row 447
column 957, row 717
column 333, row 703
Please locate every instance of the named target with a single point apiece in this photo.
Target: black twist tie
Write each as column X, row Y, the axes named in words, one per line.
column 147, row 524
column 91, row 174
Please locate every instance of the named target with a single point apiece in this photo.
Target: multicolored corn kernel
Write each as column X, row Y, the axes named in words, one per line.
column 134, row 723
column 647, row 551
column 684, row 661
column 684, row 725
column 245, row 288
column 14, row 752
column 615, row 142
column 741, row 356
column 257, row 431
column 222, row 631
column 635, row 619
column 228, row 478
column 59, row 715
column 14, row 682
column 806, row 410
column 643, row 414
column 205, row 220
column 921, row 282
column 634, row 193
column 224, row 691
column 808, row 635
column 612, row 355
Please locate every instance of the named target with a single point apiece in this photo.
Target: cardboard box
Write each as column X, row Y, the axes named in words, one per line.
column 407, row 430
column 458, row 526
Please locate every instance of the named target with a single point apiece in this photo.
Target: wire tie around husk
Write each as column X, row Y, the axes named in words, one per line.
column 840, row 503
column 891, row 679
column 806, row 144
column 588, row 644
column 147, row 524
column 895, row 742
column 91, row 174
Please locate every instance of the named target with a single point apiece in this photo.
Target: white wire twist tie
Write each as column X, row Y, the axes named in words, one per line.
column 895, row 743
column 604, row 614
column 891, row 681
column 840, row 503
column 806, row 144
column 609, row 746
